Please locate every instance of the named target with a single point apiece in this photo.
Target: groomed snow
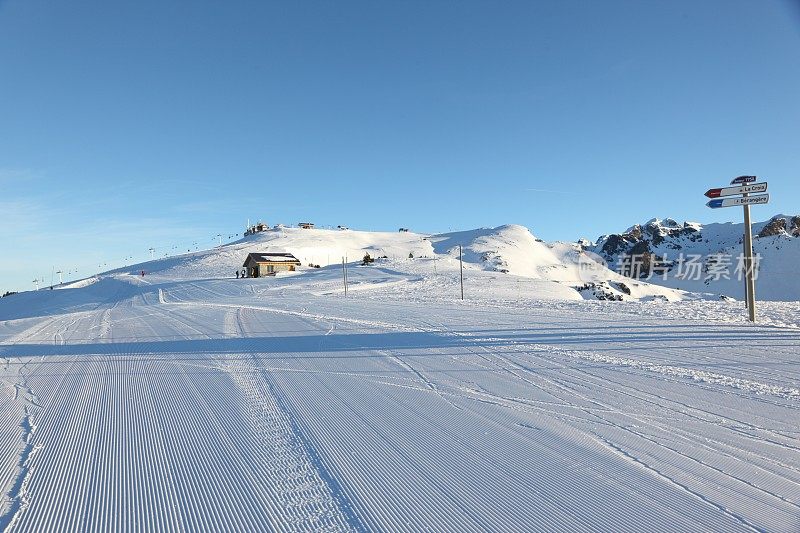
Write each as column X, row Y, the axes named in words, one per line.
column 190, row 400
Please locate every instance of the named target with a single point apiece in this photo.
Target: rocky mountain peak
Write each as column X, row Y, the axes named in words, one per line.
column 781, row 225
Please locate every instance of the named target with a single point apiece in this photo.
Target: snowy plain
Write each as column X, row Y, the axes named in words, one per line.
column 188, row 399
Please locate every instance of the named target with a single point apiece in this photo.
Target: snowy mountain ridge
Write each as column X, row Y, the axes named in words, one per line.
column 668, row 243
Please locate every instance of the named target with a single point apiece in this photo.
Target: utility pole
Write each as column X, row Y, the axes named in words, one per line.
column 220, row 239
column 461, row 267
column 60, row 278
column 152, row 252
column 36, row 281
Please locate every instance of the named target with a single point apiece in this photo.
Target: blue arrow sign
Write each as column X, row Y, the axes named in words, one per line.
column 739, row 200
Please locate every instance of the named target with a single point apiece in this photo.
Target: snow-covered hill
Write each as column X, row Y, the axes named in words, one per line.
column 707, row 258
column 506, row 258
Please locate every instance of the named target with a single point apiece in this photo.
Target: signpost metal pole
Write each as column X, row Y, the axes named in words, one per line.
column 748, row 265
column 744, row 254
column 747, row 183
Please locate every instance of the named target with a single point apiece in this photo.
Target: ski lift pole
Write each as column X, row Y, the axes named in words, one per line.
column 461, row 268
column 344, row 281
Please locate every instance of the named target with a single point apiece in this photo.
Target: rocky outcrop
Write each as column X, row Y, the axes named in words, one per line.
column 600, row 291
column 776, row 226
column 639, row 239
column 781, row 225
column 615, row 245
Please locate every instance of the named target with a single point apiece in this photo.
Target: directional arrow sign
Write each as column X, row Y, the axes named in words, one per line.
column 741, row 200
column 743, row 179
column 730, row 191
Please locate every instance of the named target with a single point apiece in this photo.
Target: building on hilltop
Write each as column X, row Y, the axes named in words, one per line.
column 268, row 263
column 256, row 228
column 306, row 225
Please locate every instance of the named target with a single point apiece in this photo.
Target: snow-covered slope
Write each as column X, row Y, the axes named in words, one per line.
column 180, row 401
column 719, row 247
column 553, row 270
column 189, row 400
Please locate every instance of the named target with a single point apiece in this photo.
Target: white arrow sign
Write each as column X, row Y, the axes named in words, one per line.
column 730, row 191
column 742, row 200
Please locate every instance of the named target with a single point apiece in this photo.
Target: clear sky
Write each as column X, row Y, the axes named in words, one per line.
column 126, row 125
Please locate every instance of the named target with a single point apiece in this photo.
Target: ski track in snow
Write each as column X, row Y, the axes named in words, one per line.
column 216, row 406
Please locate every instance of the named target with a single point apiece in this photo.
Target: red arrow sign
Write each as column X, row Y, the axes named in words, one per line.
column 744, row 189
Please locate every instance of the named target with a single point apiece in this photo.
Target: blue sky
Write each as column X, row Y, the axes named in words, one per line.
column 130, row 125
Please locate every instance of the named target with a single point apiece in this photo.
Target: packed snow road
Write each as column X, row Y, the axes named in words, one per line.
column 217, row 405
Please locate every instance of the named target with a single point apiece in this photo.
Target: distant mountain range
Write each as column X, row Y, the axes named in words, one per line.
column 669, row 253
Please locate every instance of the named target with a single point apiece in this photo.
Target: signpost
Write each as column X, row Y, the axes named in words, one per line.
column 745, row 187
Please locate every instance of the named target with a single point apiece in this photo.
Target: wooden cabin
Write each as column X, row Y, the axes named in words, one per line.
column 306, row 225
column 268, row 263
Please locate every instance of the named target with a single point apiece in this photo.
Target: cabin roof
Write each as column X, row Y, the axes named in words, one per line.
column 270, row 257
